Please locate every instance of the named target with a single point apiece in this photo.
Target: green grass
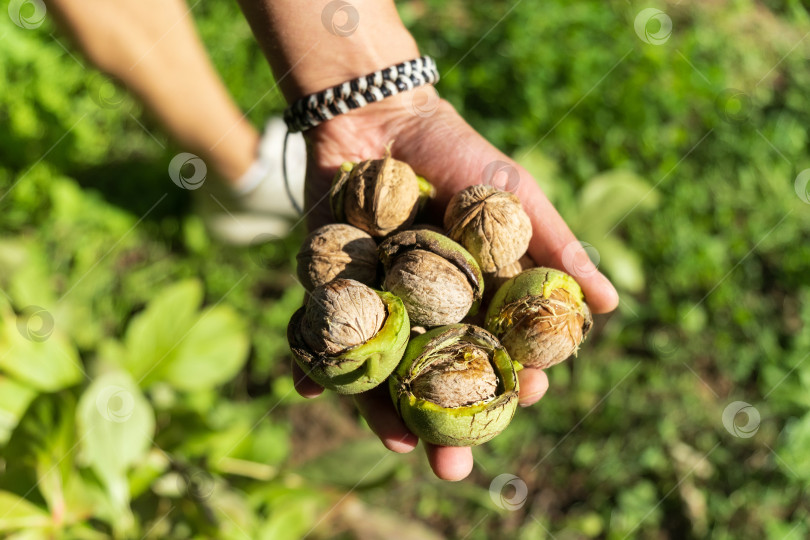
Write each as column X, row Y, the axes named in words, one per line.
column 688, row 198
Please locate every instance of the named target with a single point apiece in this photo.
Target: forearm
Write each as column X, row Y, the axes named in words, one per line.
column 309, row 52
column 152, row 46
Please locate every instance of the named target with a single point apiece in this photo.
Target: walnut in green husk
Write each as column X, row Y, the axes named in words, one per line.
column 490, row 223
column 455, row 386
column 349, row 337
column 540, row 316
column 463, row 376
column 340, row 315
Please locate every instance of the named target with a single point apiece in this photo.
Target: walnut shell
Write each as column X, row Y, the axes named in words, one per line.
column 434, row 290
column 463, row 376
column 438, row 280
column 379, row 196
column 337, row 251
column 340, row 315
column 552, row 332
column 490, row 223
column 455, row 386
column 540, row 316
column 359, row 368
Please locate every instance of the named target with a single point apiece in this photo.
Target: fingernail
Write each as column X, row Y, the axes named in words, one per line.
column 531, row 399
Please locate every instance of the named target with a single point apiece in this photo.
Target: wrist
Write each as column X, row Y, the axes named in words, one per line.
column 321, row 43
column 351, row 57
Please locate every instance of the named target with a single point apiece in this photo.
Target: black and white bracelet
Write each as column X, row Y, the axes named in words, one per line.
column 314, row 109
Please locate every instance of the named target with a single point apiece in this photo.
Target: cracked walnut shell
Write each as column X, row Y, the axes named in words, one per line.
column 491, row 224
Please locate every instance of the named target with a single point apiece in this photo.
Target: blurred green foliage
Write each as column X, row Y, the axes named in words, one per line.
column 144, row 388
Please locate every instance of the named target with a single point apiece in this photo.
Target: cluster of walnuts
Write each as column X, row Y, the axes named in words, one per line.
column 376, row 282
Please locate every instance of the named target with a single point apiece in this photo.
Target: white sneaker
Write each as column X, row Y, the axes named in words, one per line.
column 261, row 208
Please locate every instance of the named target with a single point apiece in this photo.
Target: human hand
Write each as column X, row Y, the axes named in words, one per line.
column 443, row 148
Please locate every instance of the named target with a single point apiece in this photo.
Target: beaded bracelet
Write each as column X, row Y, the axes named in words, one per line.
column 317, row 108
column 314, row 109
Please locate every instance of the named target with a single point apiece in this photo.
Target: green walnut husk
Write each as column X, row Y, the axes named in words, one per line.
column 437, row 279
column 358, row 368
column 540, row 316
column 466, row 425
column 379, row 196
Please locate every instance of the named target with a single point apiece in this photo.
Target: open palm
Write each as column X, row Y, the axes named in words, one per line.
column 443, row 148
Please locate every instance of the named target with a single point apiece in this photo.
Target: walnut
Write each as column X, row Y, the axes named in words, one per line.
column 546, row 331
column 462, row 376
column 437, row 280
column 337, row 251
column 455, row 386
column 340, row 315
column 491, row 224
column 433, row 289
column 379, row 196
column 540, row 316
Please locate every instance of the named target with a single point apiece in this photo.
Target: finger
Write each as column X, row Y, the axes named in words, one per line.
column 449, row 462
column 533, row 386
column 376, row 407
column 303, row 384
column 553, row 244
column 317, row 211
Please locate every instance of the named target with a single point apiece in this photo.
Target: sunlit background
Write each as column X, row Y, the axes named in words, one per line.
column 671, row 136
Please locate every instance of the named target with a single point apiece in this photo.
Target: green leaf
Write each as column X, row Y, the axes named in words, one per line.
column 232, row 512
column 542, row 168
column 14, row 400
column 85, row 496
column 291, row 511
column 153, row 334
column 32, row 534
column 35, row 351
column 115, row 426
column 289, row 522
column 172, row 341
column 24, row 272
column 85, row 532
column 17, row 513
column 211, row 353
column 792, row 452
column 608, row 198
column 620, row 263
column 357, row 463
